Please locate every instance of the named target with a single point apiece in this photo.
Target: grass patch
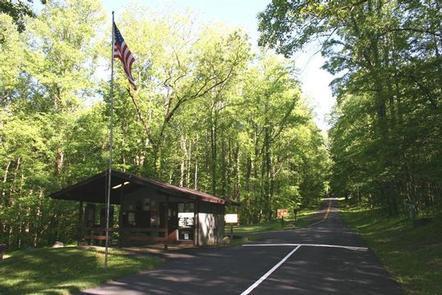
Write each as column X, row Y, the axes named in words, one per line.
column 65, row 270
column 412, row 254
column 256, row 228
column 274, row 225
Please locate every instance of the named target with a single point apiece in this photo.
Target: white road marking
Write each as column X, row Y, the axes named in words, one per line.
column 297, row 246
column 265, row 276
column 337, row 246
column 271, row 245
column 308, row 245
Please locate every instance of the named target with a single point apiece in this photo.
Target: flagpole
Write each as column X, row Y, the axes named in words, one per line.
column 109, row 173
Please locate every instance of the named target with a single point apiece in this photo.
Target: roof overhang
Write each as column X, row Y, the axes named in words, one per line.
column 93, row 189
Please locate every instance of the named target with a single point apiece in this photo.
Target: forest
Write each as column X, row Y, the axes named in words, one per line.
column 212, row 113
column 209, row 113
column 385, row 141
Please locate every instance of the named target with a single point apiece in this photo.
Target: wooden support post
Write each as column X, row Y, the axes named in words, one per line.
column 80, row 223
column 231, row 231
column 120, row 218
column 197, row 223
column 166, row 224
column 223, row 225
column 195, row 213
column 3, row 248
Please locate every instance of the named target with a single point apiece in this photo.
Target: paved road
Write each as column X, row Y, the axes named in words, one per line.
column 302, row 261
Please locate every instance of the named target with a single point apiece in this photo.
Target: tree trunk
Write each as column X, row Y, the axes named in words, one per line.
column 213, row 148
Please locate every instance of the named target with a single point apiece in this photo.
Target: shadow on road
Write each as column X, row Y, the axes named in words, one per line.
column 311, row 270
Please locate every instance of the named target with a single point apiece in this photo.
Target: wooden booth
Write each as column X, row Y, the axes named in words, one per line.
column 145, row 211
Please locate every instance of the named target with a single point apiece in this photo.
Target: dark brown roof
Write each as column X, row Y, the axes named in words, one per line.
column 92, row 189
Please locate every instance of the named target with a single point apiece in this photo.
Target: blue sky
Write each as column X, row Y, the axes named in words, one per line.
column 242, row 13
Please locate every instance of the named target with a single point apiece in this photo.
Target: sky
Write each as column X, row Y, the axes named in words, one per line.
column 243, row 13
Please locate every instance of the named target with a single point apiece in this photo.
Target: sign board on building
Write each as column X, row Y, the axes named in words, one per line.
column 282, row 213
column 231, row 218
column 185, row 219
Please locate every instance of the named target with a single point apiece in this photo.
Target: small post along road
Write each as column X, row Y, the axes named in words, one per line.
column 324, row 258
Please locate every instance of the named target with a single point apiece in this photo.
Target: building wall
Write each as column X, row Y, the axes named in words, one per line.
column 210, row 229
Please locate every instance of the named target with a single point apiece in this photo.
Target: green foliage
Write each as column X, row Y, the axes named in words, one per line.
column 207, row 114
column 45, row 75
column 17, row 10
column 386, row 138
column 11, row 58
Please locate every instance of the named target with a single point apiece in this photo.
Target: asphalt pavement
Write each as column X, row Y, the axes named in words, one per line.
column 323, row 258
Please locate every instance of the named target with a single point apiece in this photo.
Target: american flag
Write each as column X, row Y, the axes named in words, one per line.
column 122, row 52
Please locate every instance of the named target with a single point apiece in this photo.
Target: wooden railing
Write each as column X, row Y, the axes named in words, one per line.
column 97, row 235
column 93, row 234
column 143, row 234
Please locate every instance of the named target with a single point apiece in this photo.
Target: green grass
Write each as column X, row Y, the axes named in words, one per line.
column 412, row 254
column 65, row 270
column 274, row 225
